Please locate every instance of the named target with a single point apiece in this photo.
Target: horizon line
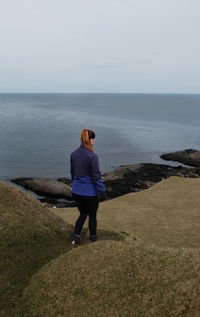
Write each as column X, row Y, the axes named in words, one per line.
column 88, row 92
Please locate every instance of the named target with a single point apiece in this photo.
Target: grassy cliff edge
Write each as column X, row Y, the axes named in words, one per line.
column 153, row 271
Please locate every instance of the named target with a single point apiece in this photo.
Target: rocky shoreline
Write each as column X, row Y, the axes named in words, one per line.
column 188, row 157
column 121, row 181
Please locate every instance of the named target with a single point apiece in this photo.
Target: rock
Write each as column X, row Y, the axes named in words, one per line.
column 51, row 202
column 187, row 157
column 123, row 180
column 137, row 177
column 45, row 187
column 66, row 181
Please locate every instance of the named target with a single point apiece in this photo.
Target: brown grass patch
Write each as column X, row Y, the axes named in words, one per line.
column 167, row 214
column 117, row 279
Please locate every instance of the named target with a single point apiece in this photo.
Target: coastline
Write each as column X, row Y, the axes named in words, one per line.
column 120, row 181
column 38, row 132
column 149, row 228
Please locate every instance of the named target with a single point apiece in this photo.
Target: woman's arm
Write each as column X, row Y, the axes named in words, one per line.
column 96, row 174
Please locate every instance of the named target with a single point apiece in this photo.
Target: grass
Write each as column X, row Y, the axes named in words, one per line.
column 117, row 279
column 147, row 262
column 30, row 237
column 167, row 214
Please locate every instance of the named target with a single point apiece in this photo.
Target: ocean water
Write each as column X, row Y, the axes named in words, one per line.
column 39, row 131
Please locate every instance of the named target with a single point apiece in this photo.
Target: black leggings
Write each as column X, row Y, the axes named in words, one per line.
column 87, row 205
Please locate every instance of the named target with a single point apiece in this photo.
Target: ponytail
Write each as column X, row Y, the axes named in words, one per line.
column 85, row 137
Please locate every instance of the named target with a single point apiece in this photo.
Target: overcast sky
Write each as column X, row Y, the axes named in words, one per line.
column 136, row 46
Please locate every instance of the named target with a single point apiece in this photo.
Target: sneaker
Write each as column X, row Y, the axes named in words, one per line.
column 76, row 241
column 93, row 238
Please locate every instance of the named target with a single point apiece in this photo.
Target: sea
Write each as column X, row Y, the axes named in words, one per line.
column 38, row 131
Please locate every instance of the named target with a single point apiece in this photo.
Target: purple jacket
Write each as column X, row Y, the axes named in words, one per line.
column 85, row 173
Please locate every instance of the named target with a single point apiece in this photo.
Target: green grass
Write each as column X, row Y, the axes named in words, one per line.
column 146, row 262
column 167, row 214
column 117, row 279
column 30, row 237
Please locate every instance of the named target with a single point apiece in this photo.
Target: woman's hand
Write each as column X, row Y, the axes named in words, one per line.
column 102, row 196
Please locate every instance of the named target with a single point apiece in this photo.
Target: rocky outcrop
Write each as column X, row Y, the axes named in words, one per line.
column 137, row 177
column 45, row 187
column 187, row 157
column 123, row 180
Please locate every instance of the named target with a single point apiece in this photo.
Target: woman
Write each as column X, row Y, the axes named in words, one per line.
column 86, row 184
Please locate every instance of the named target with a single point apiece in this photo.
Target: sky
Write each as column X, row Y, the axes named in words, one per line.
column 119, row 46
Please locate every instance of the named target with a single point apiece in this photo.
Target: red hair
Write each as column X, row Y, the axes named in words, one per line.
column 85, row 137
